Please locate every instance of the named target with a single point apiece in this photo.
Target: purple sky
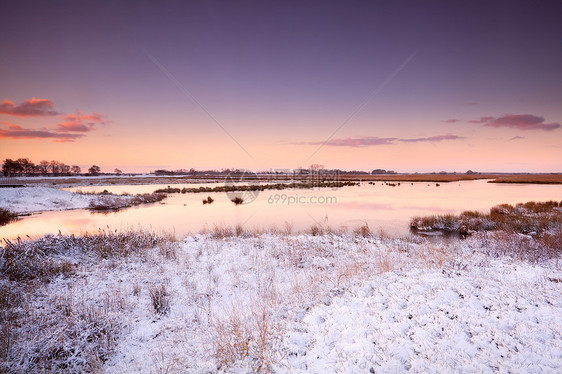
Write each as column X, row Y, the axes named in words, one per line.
column 411, row 86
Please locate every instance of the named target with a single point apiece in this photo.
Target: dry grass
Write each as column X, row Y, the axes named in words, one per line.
column 168, row 190
column 237, row 200
column 160, row 299
column 443, row 178
column 530, row 218
column 116, row 202
column 384, row 263
column 131, row 180
column 147, row 198
column 57, row 332
column 231, row 341
column 6, row 216
column 208, row 200
column 63, row 336
column 530, row 178
column 38, row 260
column 238, row 338
column 521, row 247
column 363, row 231
column 529, row 231
column 107, row 243
column 262, row 281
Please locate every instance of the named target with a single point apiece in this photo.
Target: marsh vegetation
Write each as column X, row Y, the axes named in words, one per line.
column 6, row 216
column 236, row 298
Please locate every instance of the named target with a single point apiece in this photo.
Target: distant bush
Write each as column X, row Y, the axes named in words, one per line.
column 260, row 187
column 168, row 190
column 237, row 200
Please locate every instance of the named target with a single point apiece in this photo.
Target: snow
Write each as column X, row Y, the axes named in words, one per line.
column 36, row 199
column 332, row 303
column 25, row 200
column 425, row 321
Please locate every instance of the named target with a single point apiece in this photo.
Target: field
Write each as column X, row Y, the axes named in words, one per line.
column 444, row 178
column 229, row 300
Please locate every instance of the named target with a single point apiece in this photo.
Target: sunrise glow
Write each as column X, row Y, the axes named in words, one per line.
column 206, row 85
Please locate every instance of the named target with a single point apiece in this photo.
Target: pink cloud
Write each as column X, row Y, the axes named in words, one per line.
column 518, row 121
column 436, row 138
column 482, row 120
column 80, row 122
column 452, row 120
column 374, row 141
column 17, row 132
column 352, row 142
column 73, row 127
column 28, row 108
column 88, row 118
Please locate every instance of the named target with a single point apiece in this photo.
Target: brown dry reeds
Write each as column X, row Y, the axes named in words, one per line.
column 237, row 200
column 208, row 200
column 6, row 216
column 529, row 218
column 66, row 334
column 116, row 202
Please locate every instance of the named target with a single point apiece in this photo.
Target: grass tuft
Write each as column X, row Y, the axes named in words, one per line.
column 66, row 334
column 363, row 231
column 160, row 299
column 237, row 200
column 208, row 200
column 116, row 202
column 6, row 216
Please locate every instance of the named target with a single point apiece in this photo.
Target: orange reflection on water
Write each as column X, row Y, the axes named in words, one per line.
column 380, row 206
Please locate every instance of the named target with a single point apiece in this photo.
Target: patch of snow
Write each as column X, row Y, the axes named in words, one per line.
column 330, row 304
column 23, row 200
column 36, row 199
column 426, row 320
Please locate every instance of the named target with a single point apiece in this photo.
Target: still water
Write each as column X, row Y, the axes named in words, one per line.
column 381, row 206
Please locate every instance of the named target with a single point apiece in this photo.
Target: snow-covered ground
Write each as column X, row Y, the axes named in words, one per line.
column 500, row 318
column 318, row 304
column 23, row 200
column 36, row 199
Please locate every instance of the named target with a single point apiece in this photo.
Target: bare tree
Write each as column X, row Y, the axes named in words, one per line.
column 94, row 170
column 43, row 167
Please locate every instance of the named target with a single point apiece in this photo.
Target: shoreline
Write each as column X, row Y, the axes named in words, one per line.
column 102, row 180
column 24, row 201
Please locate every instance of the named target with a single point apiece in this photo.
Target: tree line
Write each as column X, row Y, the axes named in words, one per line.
column 25, row 167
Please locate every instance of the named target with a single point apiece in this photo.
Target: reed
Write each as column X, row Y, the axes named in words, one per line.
column 6, row 216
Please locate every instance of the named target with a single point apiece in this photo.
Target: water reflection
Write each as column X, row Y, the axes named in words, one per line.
column 380, row 206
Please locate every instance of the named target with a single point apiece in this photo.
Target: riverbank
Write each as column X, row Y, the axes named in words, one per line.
column 236, row 301
column 540, row 220
column 26, row 200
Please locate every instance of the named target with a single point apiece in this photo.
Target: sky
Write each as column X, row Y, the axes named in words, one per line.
column 414, row 86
